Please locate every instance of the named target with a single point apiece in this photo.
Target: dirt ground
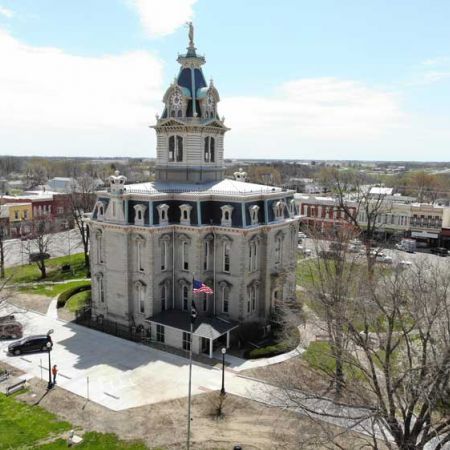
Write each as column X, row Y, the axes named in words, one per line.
column 34, row 302
column 252, row 425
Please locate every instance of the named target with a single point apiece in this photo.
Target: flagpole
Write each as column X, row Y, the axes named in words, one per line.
column 193, row 317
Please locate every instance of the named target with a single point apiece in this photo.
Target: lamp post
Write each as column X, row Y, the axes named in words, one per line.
column 49, row 346
column 222, row 391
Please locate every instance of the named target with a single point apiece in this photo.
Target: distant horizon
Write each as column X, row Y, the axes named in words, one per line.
column 326, row 80
column 234, row 159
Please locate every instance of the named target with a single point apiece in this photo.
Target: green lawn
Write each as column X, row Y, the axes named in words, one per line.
column 318, row 356
column 96, row 441
column 30, row 272
column 23, row 426
column 78, row 301
column 52, row 290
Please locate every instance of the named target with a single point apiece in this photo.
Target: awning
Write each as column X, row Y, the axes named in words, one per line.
column 207, row 327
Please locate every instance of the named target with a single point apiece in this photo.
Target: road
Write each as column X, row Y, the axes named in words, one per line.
column 61, row 244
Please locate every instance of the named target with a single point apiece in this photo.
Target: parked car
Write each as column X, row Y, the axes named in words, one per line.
column 441, row 251
column 404, row 263
column 302, row 235
column 8, row 318
column 381, row 257
column 304, row 251
column 30, row 344
column 10, row 329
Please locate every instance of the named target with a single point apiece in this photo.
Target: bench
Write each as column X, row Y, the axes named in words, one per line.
column 4, row 376
column 16, row 387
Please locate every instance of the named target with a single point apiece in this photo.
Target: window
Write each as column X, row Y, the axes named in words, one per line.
column 16, row 215
column 99, row 237
column 139, row 245
column 163, row 297
column 184, row 256
column 164, row 255
column 253, row 255
column 175, row 148
column 226, row 257
column 160, row 334
column 60, row 210
column 254, row 214
column 278, row 243
column 206, row 255
column 209, row 153
column 100, row 288
column 226, row 215
column 185, row 214
column 185, row 295
column 251, row 297
column 139, row 214
column 186, row 341
column 205, row 302
column 163, row 212
column 140, row 296
column 278, row 210
column 225, row 299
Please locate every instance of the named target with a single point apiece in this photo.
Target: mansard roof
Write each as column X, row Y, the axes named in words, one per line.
column 225, row 187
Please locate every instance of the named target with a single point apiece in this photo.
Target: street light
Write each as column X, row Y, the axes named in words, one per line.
column 222, row 391
column 49, row 346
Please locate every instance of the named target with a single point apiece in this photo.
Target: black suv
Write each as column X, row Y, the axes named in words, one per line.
column 439, row 251
column 31, row 344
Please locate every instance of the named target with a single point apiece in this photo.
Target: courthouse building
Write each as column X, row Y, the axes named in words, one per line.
column 149, row 240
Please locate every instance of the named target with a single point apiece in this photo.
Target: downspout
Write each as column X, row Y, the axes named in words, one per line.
column 173, row 267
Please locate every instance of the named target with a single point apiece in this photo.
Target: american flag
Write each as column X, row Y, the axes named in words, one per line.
column 199, row 287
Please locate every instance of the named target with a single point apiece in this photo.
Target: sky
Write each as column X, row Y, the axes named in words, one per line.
column 298, row 79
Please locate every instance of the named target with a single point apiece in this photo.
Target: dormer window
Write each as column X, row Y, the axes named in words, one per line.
column 185, row 218
column 292, row 207
column 175, row 148
column 254, row 214
column 100, row 210
column 139, row 214
column 209, row 153
column 278, row 209
column 163, row 211
column 226, row 215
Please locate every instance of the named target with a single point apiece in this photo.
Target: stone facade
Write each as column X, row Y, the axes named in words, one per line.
column 149, row 240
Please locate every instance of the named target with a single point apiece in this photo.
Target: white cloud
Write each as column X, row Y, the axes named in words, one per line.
column 45, row 88
column 163, row 17
column 8, row 13
column 320, row 109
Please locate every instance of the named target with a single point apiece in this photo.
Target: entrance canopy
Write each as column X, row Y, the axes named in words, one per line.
column 207, row 327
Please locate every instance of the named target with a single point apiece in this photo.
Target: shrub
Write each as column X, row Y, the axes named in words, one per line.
column 64, row 296
column 268, row 351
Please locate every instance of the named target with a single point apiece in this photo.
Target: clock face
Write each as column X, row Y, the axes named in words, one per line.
column 175, row 100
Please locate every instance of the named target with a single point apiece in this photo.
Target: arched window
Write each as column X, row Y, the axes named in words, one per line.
column 140, row 297
column 99, row 238
column 175, row 148
column 100, row 288
column 209, row 154
column 226, row 257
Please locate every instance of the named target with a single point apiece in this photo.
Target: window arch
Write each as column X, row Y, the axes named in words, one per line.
column 175, row 148
column 210, row 149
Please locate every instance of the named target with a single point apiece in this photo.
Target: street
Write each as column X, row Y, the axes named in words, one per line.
column 61, row 244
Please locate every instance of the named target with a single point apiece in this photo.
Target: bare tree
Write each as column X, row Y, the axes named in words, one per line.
column 397, row 327
column 82, row 201
column 39, row 244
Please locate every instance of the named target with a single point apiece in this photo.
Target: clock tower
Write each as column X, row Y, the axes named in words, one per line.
column 189, row 131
